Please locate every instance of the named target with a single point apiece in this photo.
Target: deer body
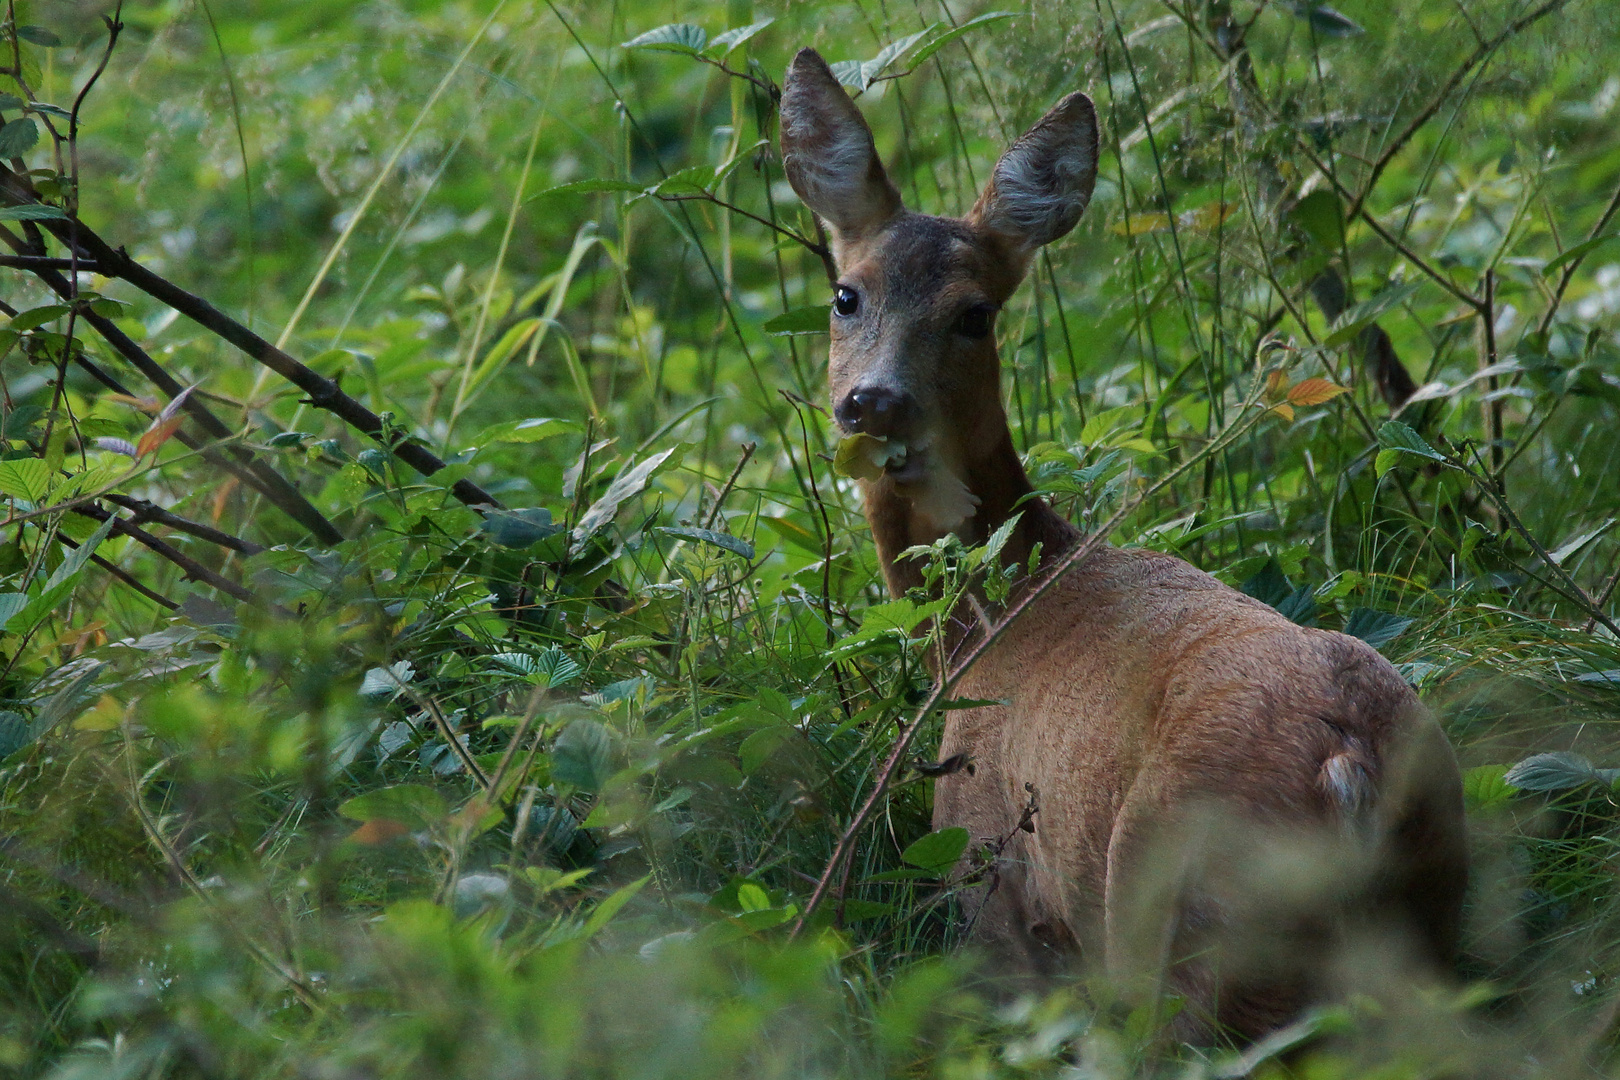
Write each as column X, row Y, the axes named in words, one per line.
column 1181, row 785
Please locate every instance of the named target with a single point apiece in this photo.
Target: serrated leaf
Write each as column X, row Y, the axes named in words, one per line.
column 1486, row 786
column 10, row 101
column 1358, row 318
column 726, row 42
column 671, row 37
column 1400, row 438
column 415, row 806
column 1309, row 392
column 938, row 851
column 1385, row 461
column 18, row 137
column 1376, row 628
column 1556, row 771
column 815, row 319
column 25, row 478
column 714, row 539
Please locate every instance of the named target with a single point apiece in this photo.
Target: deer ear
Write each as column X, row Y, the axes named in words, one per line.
column 1043, row 182
column 828, row 154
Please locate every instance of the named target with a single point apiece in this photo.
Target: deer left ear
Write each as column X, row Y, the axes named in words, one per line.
column 1043, row 182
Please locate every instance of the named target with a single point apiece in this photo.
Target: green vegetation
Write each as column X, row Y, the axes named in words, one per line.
column 476, row 681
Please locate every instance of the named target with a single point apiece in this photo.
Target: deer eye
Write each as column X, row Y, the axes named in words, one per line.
column 846, row 301
column 975, row 321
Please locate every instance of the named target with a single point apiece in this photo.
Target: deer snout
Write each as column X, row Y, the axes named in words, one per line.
column 876, row 411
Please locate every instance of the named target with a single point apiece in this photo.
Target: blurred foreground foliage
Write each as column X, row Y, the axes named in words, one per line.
column 364, row 773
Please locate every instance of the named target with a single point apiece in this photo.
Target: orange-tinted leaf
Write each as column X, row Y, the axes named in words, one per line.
column 158, row 434
column 1314, row 392
column 1284, row 410
column 379, row 831
column 1274, row 383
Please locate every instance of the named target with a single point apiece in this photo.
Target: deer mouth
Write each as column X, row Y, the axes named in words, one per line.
column 910, row 469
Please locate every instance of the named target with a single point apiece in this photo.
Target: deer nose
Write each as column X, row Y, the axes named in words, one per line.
column 874, row 411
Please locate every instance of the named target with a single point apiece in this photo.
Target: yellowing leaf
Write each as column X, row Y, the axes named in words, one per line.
column 1137, row 224
column 1284, row 410
column 863, row 456
column 1314, row 392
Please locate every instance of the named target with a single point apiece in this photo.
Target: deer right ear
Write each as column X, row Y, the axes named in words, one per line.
column 828, row 154
column 1043, row 182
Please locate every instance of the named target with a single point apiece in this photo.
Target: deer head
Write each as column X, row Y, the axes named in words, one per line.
column 913, row 357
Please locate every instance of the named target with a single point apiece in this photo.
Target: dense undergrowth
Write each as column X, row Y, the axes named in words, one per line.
column 507, row 732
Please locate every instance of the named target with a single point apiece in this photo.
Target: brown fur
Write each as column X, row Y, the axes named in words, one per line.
column 1220, row 794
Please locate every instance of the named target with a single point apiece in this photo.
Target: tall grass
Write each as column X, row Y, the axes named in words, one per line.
column 540, row 790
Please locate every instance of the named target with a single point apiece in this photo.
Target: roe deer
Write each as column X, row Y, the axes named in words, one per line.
column 1200, row 762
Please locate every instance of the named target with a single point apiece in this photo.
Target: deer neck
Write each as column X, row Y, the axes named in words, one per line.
column 996, row 478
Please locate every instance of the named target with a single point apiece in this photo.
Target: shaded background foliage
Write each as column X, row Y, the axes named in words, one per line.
column 539, row 785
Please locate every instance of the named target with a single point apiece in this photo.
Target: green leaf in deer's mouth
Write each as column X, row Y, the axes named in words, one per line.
column 864, row 456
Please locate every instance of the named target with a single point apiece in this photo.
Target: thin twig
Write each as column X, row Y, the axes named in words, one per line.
column 194, row 570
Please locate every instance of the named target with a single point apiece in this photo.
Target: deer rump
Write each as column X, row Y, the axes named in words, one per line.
column 1225, row 804
column 1222, row 800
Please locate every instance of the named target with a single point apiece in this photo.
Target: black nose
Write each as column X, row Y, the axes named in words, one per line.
column 875, row 411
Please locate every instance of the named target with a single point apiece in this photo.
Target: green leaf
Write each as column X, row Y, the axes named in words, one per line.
column 34, row 318
column 1319, row 215
column 10, row 604
column 531, row 430
column 38, row 35
column 864, row 457
column 891, row 52
column 724, row 43
column 707, row 536
column 589, row 187
column 794, row 533
column 415, row 806
column 14, row 734
column 1362, row 315
column 1557, row 771
column 583, row 755
column 757, row 749
column 50, row 110
column 32, row 212
column 1396, row 439
column 629, row 483
column 953, row 34
column 815, row 319
column 1376, row 628
column 10, row 101
column 608, row 908
column 938, row 851
column 58, row 585
column 671, row 37
column 518, row 528
column 18, row 137
column 693, row 180
column 1486, row 786
column 1326, row 21
column 25, row 478
column 1569, row 255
